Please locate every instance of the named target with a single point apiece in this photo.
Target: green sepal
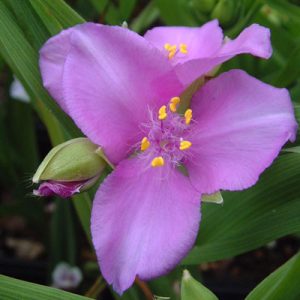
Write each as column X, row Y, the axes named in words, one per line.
column 73, row 160
column 213, row 198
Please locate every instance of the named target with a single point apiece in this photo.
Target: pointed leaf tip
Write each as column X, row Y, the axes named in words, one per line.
column 191, row 289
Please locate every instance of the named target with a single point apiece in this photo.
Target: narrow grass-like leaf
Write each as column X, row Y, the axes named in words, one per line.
column 22, row 59
column 291, row 71
column 281, row 284
column 49, row 20
column 284, row 7
column 146, row 17
column 14, row 289
column 64, row 14
column 34, row 30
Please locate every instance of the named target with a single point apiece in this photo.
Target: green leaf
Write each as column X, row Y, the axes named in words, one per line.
column 176, row 12
column 23, row 60
column 251, row 218
column 284, row 7
column 191, row 289
column 213, row 198
column 49, row 20
column 146, row 17
column 14, row 289
column 99, row 5
column 291, row 70
column 63, row 246
column 126, row 8
column 83, row 206
column 64, row 14
column 281, row 284
column 35, row 32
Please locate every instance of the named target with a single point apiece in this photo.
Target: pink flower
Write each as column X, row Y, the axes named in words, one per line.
column 122, row 92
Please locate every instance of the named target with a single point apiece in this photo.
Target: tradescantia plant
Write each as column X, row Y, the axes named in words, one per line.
column 165, row 150
column 125, row 97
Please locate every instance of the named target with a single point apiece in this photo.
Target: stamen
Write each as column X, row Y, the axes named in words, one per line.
column 183, row 48
column 162, row 114
column 157, row 162
column 167, row 46
column 173, row 103
column 145, row 144
column 171, row 49
column 184, row 145
column 188, row 116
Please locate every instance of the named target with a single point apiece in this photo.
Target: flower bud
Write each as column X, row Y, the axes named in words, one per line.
column 225, row 11
column 69, row 168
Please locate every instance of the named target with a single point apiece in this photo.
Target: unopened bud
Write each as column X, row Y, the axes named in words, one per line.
column 69, row 168
column 225, row 11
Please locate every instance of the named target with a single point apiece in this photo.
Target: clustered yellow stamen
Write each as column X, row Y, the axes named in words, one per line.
column 145, row 144
column 171, row 49
column 184, row 145
column 183, row 48
column 173, row 103
column 188, row 116
column 162, row 114
column 157, row 161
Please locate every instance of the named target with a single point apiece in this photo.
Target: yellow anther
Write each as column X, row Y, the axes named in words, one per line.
column 173, row 103
column 157, row 162
column 167, row 46
column 162, row 114
column 145, row 144
column 184, row 145
column 183, row 48
column 188, row 116
column 171, row 54
column 171, row 49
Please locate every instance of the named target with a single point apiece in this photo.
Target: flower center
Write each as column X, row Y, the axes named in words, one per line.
column 166, row 140
column 173, row 49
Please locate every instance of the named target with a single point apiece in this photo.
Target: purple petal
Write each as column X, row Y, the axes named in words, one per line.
column 111, row 78
column 144, row 221
column 254, row 40
column 240, row 126
column 201, row 42
column 52, row 59
column 61, row 189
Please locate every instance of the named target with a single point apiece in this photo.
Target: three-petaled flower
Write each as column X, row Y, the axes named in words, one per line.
column 123, row 91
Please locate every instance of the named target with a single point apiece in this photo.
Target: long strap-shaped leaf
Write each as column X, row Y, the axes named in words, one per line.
column 15, row 289
column 22, row 59
column 281, row 284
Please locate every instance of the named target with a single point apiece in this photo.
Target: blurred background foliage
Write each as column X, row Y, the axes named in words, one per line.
column 37, row 234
